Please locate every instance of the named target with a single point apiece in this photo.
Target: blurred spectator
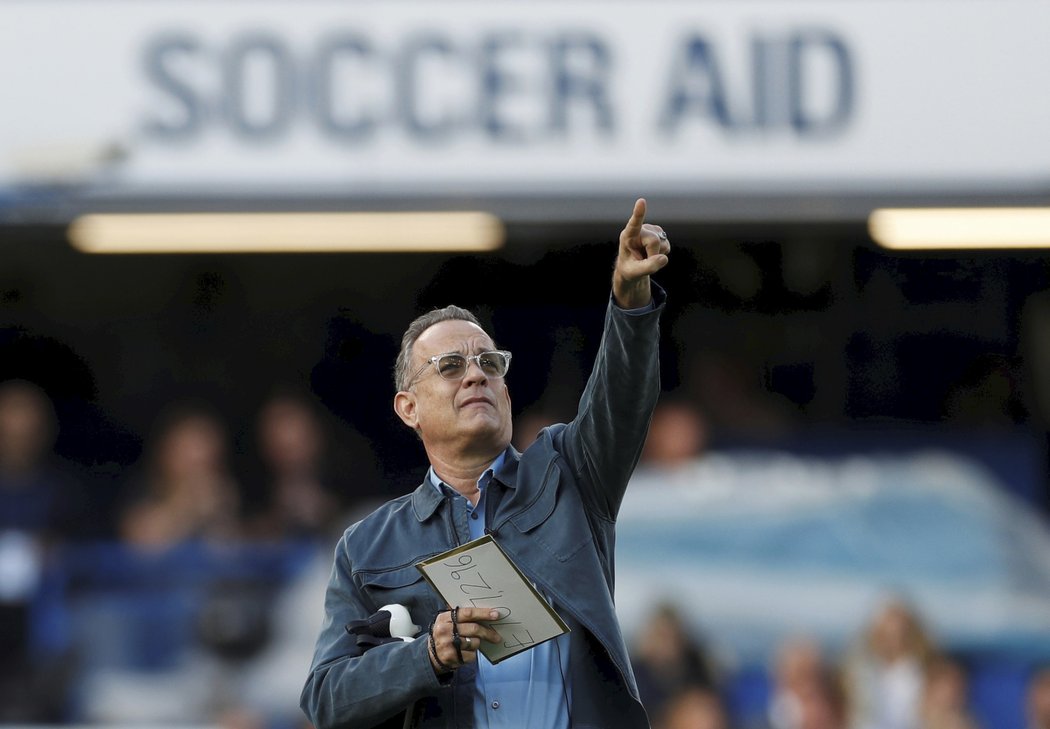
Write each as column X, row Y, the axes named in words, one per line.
column 299, row 499
column 885, row 674
column 822, row 704
column 945, row 696
column 36, row 494
column 1038, row 699
column 37, row 510
column 668, row 660
column 731, row 395
column 807, row 693
column 695, row 707
column 187, row 491
column 677, row 435
column 798, row 667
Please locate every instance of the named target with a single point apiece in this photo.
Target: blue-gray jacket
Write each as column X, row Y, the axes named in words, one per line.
column 555, row 516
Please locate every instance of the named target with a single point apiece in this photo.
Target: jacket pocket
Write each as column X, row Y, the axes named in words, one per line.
column 555, row 519
column 403, row 586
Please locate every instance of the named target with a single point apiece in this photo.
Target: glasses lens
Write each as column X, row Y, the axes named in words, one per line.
column 493, row 364
column 451, row 366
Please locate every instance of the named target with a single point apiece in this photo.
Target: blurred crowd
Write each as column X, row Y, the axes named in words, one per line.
column 138, row 605
column 893, row 677
column 198, row 598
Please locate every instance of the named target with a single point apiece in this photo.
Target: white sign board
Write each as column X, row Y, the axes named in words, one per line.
column 479, row 574
column 180, row 97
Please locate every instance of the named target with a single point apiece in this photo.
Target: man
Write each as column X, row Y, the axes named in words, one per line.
column 551, row 508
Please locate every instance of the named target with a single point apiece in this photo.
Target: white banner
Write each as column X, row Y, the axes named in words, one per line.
column 826, row 540
column 188, row 97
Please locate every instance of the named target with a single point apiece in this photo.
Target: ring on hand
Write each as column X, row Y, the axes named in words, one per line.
column 662, row 236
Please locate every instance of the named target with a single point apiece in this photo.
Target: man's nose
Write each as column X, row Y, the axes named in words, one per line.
column 474, row 372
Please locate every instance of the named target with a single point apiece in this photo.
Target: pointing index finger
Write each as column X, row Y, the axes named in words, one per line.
column 634, row 225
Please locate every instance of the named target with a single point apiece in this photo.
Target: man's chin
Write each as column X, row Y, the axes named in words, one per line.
column 489, row 430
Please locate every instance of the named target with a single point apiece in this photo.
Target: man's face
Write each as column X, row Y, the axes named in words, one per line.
column 468, row 414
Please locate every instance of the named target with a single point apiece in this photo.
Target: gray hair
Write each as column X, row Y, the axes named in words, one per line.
column 415, row 329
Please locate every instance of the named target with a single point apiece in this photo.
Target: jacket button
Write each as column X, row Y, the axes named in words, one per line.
column 495, row 704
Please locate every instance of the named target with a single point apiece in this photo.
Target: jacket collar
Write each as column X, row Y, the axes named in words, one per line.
column 426, row 499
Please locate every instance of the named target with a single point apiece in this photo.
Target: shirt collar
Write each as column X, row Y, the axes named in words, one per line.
column 437, row 483
column 429, row 496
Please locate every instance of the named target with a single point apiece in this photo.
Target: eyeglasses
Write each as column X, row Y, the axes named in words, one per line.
column 453, row 366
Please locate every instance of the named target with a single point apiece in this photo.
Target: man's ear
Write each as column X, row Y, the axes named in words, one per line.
column 405, row 407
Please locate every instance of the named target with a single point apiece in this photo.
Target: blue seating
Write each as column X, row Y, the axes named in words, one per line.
column 141, row 611
column 997, row 692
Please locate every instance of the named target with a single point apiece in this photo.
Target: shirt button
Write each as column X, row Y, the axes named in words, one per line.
column 495, row 704
column 474, row 515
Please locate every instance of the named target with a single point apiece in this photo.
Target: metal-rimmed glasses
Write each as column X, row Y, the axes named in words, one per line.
column 453, row 365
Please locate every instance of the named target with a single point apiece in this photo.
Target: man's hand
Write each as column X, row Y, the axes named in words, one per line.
column 472, row 629
column 643, row 252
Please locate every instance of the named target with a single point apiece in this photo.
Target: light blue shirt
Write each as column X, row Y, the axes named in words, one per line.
column 531, row 688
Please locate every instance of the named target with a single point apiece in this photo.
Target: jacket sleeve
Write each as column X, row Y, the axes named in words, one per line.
column 603, row 442
column 350, row 688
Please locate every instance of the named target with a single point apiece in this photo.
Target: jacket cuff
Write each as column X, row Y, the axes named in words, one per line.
column 659, row 298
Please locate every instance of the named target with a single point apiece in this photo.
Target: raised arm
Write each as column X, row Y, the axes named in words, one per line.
column 604, row 441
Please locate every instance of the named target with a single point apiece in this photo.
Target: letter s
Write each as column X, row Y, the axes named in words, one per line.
column 160, row 71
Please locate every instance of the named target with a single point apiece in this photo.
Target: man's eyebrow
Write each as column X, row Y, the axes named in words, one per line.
column 490, row 347
column 475, row 350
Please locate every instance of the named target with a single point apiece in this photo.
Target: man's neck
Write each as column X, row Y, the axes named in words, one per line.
column 462, row 472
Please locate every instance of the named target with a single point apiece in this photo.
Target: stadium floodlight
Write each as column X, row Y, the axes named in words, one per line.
column 960, row 228
column 286, row 232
